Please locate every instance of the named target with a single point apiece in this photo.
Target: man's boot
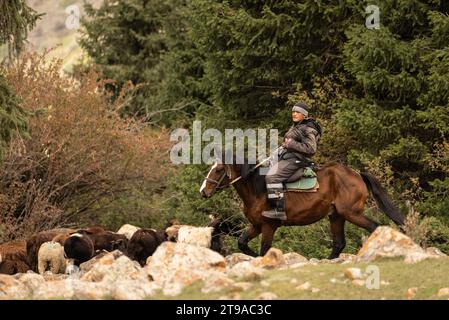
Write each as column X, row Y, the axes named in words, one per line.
column 276, row 200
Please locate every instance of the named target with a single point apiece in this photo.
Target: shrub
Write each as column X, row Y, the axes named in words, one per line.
column 81, row 157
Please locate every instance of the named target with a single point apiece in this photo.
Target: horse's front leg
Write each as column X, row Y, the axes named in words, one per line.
column 247, row 235
column 268, row 231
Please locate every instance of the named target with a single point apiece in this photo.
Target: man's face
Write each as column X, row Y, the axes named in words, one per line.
column 297, row 117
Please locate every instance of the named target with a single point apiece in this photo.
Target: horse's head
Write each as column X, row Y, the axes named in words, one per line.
column 219, row 177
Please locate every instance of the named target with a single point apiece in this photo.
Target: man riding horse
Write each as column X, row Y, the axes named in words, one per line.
column 300, row 143
column 341, row 197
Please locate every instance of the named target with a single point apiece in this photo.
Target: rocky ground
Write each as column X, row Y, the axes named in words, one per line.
column 389, row 266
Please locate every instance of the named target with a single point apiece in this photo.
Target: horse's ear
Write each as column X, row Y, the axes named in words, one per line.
column 228, row 171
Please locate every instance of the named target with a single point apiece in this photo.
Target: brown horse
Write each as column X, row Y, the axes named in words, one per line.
column 342, row 195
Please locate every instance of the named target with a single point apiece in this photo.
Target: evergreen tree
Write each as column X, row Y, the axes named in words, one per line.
column 127, row 40
column 16, row 19
column 382, row 94
column 259, row 52
column 399, row 111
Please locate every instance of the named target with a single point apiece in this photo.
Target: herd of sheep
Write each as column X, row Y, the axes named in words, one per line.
column 63, row 250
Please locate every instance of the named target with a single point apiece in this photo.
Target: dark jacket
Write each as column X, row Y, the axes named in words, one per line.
column 304, row 140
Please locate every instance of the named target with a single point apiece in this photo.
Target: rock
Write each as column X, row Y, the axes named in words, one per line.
column 315, row 290
column 72, row 289
column 435, row 252
column 304, row 286
column 337, row 260
column 175, row 265
column 83, row 290
column 86, row 266
column 111, row 269
column 267, row 296
column 348, row 257
column 411, row 292
column 61, row 289
column 324, row 261
column 292, row 258
column 32, row 281
column 245, row 270
column 236, row 258
column 257, row 262
column 414, row 257
column 294, row 281
column 133, row 290
column 218, row 283
column 354, row 273
column 273, row 259
column 11, row 288
column 386, row 242
column 314, row 261
column 48, row 276
column 443, row 292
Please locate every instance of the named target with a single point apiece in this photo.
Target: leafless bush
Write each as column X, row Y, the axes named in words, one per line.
column 414, row 228
column 80, row 150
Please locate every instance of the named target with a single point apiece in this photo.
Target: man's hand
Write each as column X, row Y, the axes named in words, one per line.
column 287, row 141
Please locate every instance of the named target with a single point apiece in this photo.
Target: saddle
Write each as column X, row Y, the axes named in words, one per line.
column 303, row 180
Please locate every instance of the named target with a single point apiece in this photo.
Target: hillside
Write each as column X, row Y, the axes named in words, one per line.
column 51, row 30
column 389, row 266
column 324, row 280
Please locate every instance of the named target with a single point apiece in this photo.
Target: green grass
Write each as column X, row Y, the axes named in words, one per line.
column 428, row 276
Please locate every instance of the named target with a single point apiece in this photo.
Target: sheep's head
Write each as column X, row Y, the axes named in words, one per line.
column 120, row 244
column 172, row 233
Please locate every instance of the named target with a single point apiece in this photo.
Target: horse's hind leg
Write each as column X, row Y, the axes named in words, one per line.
column 359, row 219
column 247, row 235
column 338, row 233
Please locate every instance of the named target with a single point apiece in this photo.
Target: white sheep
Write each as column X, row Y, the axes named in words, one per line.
column 128, row 230
column 199, row 236
column 51, row 258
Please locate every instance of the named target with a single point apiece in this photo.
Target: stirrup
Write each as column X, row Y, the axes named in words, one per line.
column 274, row 214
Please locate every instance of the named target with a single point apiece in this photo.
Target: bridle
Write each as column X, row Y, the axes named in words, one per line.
column 217, row 183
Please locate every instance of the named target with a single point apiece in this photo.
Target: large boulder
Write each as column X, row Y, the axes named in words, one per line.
column 386, row 242
column 175, row 265
column 113, row 267
column 246, row 270
column 11, row 288
column 32, row 281
column 293, row 258
column 89, row 264
column 273, row 259
column 72, row 289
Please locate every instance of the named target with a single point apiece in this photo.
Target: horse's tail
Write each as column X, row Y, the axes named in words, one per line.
column 382, row 198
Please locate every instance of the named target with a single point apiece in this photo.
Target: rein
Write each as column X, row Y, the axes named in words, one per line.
column 218, row 183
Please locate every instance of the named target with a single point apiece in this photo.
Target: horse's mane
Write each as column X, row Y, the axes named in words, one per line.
column 254, row 178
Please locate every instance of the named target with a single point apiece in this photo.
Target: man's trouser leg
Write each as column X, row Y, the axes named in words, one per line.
column 277, row 174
